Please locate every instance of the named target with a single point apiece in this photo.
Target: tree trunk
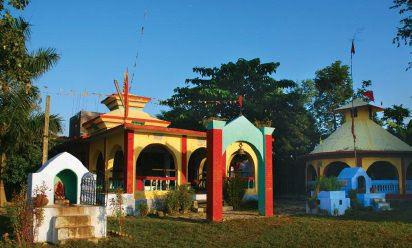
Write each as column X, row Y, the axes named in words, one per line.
column 3, row 199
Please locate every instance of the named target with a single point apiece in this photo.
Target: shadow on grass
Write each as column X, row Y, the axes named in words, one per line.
column 401, row 212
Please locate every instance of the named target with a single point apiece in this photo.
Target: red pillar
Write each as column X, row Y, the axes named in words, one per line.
column 268, row 176
column 224, row 172
column 184, row 160
column 128, row 151
column 214, row 175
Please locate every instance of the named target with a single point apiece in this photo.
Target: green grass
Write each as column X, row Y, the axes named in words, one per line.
column 358, row 229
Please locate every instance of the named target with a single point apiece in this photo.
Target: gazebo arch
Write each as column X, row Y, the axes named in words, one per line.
column 408, row 179
column 219, row 136
column 385, row 177
column 195, row 162
column 333, row 169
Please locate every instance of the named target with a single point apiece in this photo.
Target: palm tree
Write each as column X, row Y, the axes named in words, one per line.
column 20, row 116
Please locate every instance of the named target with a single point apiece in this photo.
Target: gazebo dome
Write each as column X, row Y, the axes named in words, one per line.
column 369, row 135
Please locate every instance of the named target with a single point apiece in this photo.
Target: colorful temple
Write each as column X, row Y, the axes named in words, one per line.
column 129, row 149
column 385, row 158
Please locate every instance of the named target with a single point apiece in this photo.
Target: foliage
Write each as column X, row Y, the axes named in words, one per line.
column 171, row 201
column 143, row 209
column 234, row 190
column 394, row 118
column 266, row 100
column 328, row 184
column 331, row 88
column 354, row 202
column 21, row 213
column 116, row 204
column 185, row 198
column 20, row 115
column 404, row 31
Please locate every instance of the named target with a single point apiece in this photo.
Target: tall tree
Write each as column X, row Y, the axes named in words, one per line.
column 266, row 100
column 331, row 88
column 19, row 100
column 395, row 120
column 404, row 31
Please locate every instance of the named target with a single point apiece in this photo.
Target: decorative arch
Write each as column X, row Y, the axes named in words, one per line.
column 333, row 169
column 408, row 179
column 311, row 174
column 383, row 170
column 68, row 180
column 195, row 161
column 156, row 162
column 100, row 171
column 219, row 136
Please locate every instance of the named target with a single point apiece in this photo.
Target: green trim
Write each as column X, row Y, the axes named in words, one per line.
column 215, row 124
column 69, row 180
column 267, row 130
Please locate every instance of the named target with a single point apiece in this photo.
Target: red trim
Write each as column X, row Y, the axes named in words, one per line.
column 122, row 118
column 184, row 159
column 359, row 161
column 214, row 180
column 268, row 176
column 131, row 96
column 351, row 154
column 128, row 172
column 166, row 130
column 156, row 178
column 139, row 185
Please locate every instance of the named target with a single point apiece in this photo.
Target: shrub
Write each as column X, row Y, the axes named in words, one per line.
column 21, row 213
column 185, row 198
column 117, row 207
column 233, row 191
column 171, row 201
column 143, row 209
column 354, row 203
column 328, row 184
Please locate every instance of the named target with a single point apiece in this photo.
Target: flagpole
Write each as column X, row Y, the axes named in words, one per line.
column 352, row 52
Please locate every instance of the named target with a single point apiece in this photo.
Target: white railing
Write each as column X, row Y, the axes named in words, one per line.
column 158, row 183
column 385, row 186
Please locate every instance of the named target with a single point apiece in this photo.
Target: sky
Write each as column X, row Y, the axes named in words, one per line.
column 98, row 40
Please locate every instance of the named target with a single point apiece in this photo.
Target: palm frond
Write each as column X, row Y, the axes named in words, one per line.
column 41, row 61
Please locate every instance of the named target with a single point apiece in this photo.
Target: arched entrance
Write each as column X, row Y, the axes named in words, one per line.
column 384, row 177
column 220, row 136
column 361, row 185
column 409, row 179
column 156, row 168
column 333, row 169
column 100, row 172
column 196, row 166
column 66, row 180
column 311, row 177
column 242, row 165
column 117, row 180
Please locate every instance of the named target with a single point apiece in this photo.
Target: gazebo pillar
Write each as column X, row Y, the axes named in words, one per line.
column 128, row 161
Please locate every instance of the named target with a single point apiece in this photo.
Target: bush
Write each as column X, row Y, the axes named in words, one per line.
column 179, row 199
column 185, row 198
column 233, row 191
column 143, row 209
column 171, row 201
column 354, row 203
column 329, row 184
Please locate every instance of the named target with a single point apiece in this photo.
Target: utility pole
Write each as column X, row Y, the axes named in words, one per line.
column 46, row 130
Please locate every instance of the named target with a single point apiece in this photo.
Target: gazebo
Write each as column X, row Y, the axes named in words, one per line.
column 385, row 158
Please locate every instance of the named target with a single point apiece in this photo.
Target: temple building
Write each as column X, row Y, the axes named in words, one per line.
column 128, row 148
column 385, row 158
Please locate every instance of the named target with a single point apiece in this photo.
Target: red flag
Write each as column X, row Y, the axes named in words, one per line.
column 240, row 101
column 369, row 94
column 352, row 50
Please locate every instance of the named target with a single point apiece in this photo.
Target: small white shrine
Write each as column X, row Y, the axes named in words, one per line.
column 71, row 211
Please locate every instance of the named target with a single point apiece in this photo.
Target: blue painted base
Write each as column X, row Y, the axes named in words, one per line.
column 366, row 199
column 335, row 202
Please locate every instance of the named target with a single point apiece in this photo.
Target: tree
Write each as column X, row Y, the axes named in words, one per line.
column 20, row 116
column 394, row 118
column 280, row 103
column 404, row 31
column 331, row 88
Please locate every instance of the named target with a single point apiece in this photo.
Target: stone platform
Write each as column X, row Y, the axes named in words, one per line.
column 63, row 223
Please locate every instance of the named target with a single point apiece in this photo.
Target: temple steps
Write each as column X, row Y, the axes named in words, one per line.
column 73, row 224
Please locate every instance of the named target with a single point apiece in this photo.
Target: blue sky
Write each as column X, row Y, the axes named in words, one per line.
column 98, row 40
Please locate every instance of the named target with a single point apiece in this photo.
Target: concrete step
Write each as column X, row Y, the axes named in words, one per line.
column 71, row 210
column 227, row 208
column 72, row 221
column 202, row 209
column 77, row 232
column 90, row 239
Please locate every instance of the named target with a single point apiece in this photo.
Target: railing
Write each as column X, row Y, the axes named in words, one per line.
column 150, row 183
column 408, row 186
column 385, row 186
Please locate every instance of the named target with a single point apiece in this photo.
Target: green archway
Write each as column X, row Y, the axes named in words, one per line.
column 69, row 181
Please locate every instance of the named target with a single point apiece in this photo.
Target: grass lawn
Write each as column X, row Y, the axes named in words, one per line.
column 362, row 228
